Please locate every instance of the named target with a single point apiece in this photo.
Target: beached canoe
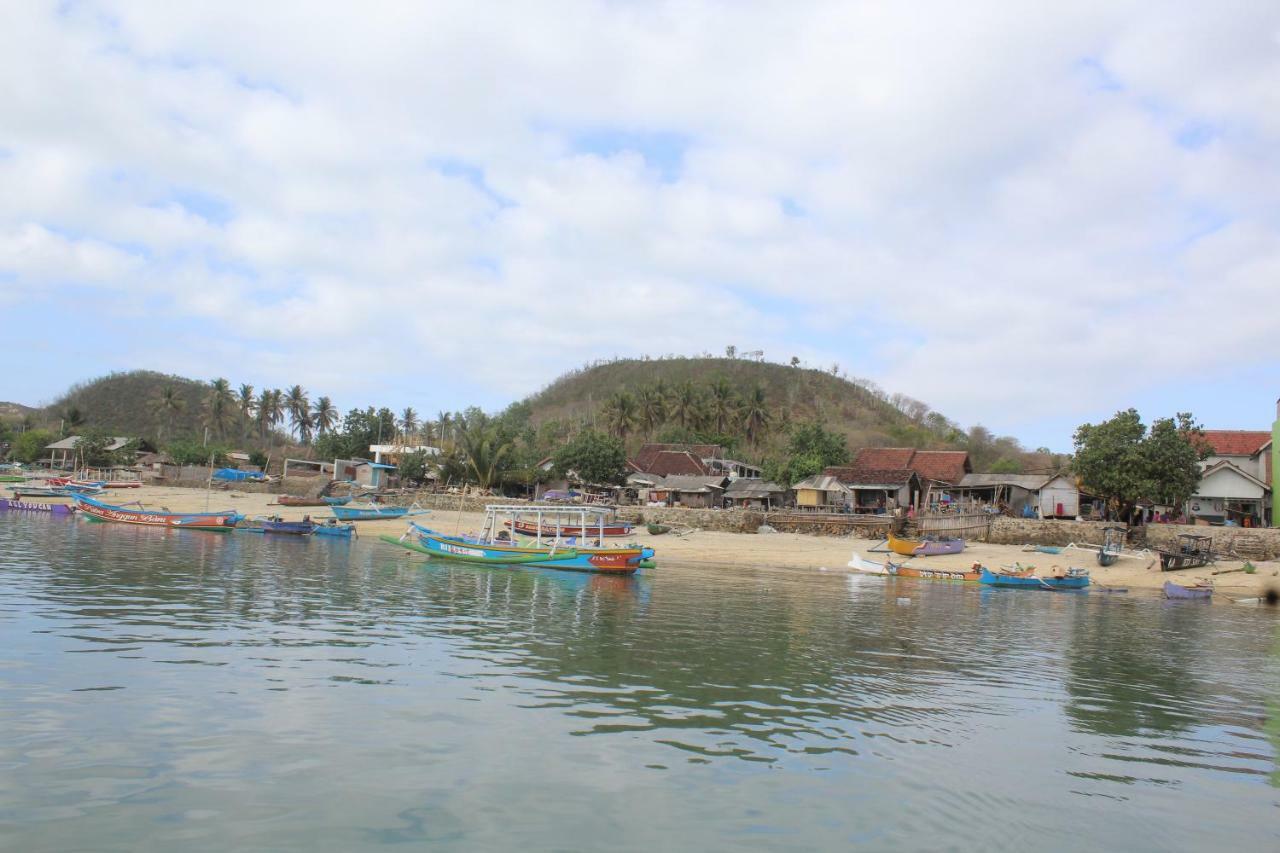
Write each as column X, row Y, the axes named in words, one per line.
column 374, row 512
column 1027, row 581
column 221, row 521
column 924, row 547
column 295, row 500
column 1195, row 591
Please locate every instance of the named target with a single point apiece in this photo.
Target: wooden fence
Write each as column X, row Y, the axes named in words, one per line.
column 966, row 525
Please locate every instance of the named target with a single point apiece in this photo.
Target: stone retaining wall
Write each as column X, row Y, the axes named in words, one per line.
column 1034, row 531
column 1250, row 543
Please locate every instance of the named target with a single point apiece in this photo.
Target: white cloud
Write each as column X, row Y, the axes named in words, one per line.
column 892, row 188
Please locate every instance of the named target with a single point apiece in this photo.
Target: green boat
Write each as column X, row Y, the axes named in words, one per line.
column 507, row 558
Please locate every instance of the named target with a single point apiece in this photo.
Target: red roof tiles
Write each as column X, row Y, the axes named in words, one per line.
column 668, row 462
column 946, row 466
column 1235, row 442
column 649, row 453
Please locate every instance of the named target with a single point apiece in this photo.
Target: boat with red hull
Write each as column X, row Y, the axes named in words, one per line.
column 221, row 521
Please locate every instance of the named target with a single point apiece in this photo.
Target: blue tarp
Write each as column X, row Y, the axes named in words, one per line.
column 235, row 474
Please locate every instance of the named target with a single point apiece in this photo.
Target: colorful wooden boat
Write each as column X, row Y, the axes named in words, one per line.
column 13, row 478
column 1075, row 580
column 332, row 501
column 607, row 560
column 333, row 528
column 373, row 512
column 549, row 528
column 13, row 504
column 924, row 547
column 1112, row 545
column 1201, row 592
column 221, row 521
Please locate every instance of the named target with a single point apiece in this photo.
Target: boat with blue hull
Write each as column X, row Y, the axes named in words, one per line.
column 333, row 528
column 1076, row 579
column 375, row 512
column 1194, row 592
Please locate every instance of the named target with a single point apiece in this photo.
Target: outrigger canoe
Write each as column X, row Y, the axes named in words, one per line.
column 332, row 528
column 622, row 561
column 1076, row 580
column 35, row 506
column 924, row 547
column 221, row 521
column 374, row 512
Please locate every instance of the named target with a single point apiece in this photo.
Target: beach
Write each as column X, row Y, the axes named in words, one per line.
column 782, row 551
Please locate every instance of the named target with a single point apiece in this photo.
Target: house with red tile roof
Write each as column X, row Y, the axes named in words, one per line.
column 877, row 490
column 1235, row 479
column 939, row 466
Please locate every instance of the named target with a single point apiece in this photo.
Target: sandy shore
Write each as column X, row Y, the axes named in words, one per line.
column 778, row 550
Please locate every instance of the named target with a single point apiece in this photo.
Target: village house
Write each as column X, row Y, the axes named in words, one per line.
column 1235, row 478
column 878, row 490
column 822, row 493
column 745, row 493
column 62, row 453
column 937, row 469
column 690, row 460
column 703, row 491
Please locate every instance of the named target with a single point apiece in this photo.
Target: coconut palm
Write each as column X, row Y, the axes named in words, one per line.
column 444, row 425
column 323, row 415
column 721, row 404
column 408, row 423
column 483, row 450
column 298, row 407
column 621, row 414
column 651, row 409
column 166, row 404
column 685, row 404
column 755, row 415
column 247, row 405
column 219, row 405
column 262, row 411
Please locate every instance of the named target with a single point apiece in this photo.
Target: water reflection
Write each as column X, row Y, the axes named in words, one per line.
column 186, row 669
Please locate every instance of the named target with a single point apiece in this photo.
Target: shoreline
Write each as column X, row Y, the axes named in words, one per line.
column 791, row 552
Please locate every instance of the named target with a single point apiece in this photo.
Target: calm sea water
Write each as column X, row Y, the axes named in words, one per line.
column 192, row 691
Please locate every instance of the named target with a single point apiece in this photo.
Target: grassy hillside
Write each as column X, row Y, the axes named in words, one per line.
column 122, row 403
column 792, row 394
column 16, row 412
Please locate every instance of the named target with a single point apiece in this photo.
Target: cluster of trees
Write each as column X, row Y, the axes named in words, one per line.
column 1122, row 460
column 713, row 409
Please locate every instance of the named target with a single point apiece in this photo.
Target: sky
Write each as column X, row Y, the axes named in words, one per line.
column 1029, row 219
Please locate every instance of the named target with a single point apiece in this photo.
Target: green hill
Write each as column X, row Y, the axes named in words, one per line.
column 862, row 413
column 122, row 404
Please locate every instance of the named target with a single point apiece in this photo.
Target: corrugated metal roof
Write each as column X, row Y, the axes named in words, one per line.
column 1030, row 482
column 71, row 441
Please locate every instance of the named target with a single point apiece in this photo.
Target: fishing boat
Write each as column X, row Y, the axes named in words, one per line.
column 1112, row 545
column 373, row 512
column 331, row 527
column 658, row 529
column 1191, row 552
column 291, row 528
column 973, row 573
column 41, row 492
column 13, row 504
column 1074, row 579
column 622, row 561
column 333, row 501
column 925, row 547
column 221, row 521
column 1200, row 591
column 867, row 567
column 568, row 521
column 13, row 478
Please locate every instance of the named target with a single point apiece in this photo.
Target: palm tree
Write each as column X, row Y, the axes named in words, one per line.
column 621, row 414
column 444, row 424
column 684, row 404
column 651, row 409
column 755, row 415
column 218, row 405
column 263, row 410
column 247, row 405
column 276, row 409
column 299, row 410
column 721, row 404
column 323, row 415
column 166, row 404
column 408, row 423
column 483, row 451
